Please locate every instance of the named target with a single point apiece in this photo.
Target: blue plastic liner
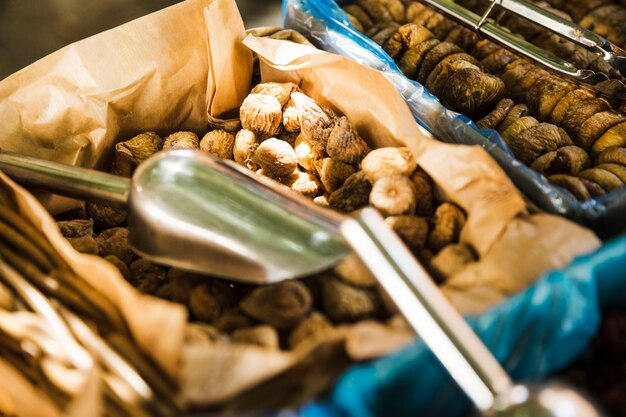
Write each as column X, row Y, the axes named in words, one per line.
column 325, row 24
column 533, row 335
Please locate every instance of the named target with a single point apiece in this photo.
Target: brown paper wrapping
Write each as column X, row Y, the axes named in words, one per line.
column 181, row 67
column 528, row 248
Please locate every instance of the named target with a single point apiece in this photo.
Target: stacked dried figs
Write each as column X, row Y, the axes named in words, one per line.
column 564, row 131
column 289, row 137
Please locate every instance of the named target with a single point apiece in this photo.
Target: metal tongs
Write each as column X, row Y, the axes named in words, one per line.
column 599, row 81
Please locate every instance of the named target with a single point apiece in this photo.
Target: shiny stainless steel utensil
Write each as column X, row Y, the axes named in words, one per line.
column 613, row 55
column 185, row 212
column 181, row 200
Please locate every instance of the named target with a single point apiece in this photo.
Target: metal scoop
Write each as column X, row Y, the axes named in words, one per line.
column 194, row 211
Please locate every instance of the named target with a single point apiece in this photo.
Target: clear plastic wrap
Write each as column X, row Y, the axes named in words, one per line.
column 325, row 24
column 533, row 334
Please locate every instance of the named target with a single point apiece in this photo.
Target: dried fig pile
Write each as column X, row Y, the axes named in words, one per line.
column 287, row 136
column 558, row 128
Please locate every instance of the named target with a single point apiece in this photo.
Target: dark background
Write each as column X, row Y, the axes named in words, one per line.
column 31, row 29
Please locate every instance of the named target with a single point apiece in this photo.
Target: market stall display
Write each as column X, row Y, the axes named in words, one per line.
column 328, row 128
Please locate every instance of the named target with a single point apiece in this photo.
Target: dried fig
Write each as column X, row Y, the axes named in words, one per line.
column 276, row 158
column 513, row 73
column 412, row 230
column 423, row 193
column 243, row 148
column 355, row 23
column 305, row 153
column 520, row 89
column 181, row 140
column 343, row 302
column 393, row 195
column 594, row 189
column 280, row 91
column 177, row 287
column 106, row 216
column 413, row 10
column 141, row 147
column 376, row 10
column 560, row 110
column 396, row 8
column 262, row 114
column 581, row 111
column 520, row 125
column 282, row 305
column 264, row 336
column 304, row 183
column 571, row 184
column 322, row 201
column 219, row 143
column 533, row 142
column 407, row 36
column 463, row 37
column 493, row 119
column 545, row 94
column 360, row 14
column 433, row 57
column 382, row 32
column 316, row 123
column 353, row 194
column 613, row 155
column 618, row 170
column 472, row 92
column 291, row 119
column 438, row 78
column 314, row 327
column 122, row 165
column 76, row 228
column 605, row 179
column 84, row 244
column 570, row 160
column 483, row 48
column 332, row 173
column 410, row 62
column 203, row 304
column 115, row 242
column 517, row 112
column 352, row 270
column 497, row 60
column 146, row 276
column 595, row 126
column 384, row 162
column 345, row 144
column 544, row 163
column 447, row 225
column 615, row 136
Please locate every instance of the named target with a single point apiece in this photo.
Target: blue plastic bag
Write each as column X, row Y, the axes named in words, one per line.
column 533, row 335
column 325, row 24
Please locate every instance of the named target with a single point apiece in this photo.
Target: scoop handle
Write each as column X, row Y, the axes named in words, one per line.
column 67, row 180
column 428, row 312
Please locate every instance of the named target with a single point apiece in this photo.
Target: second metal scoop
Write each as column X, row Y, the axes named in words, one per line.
column 198, row 212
